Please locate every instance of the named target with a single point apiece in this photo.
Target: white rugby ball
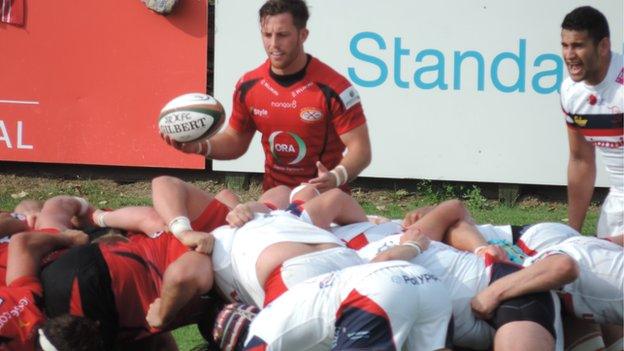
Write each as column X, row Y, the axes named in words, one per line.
column 191, row 117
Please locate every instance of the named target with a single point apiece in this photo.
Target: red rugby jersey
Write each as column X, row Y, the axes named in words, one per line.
column 300, row 123
column 19, row 314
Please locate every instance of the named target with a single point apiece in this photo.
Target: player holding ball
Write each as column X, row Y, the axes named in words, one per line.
column 307, row 113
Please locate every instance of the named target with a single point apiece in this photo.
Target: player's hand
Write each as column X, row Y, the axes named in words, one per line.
column 199, row 241
column 325, row 179
column 77, row 237
column 484, row 304
column 153, row 317
column 188, row 148
column 239, row 215
column 416, row 235
column 413, row 216
column 494, row 251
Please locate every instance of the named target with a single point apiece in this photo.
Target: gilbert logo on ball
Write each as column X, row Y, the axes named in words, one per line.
column 191, row 117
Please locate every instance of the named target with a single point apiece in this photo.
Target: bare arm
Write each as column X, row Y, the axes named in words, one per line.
column 28, row 248
column 617, row 239
column 57, row 212
column 334, row 206
column 187, row 277
column 10, row 225
column 581, row 177
column 142, row 219
column 357, row 158
column 226, row 145
column 552, row 272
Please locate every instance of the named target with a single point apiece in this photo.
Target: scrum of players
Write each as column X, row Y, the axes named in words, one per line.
column 298, row 270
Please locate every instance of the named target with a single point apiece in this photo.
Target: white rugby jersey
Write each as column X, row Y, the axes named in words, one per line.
column 597, row 112
column 462, row 273
column 597, row 294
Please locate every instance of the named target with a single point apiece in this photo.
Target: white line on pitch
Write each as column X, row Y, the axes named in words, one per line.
column 19, row 102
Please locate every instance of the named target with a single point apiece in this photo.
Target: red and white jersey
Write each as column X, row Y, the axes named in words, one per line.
column 237, row 251
column 597, row 294
column 300, row 123
column 597, row 112
column 358, row 235
column 409, row 300
column 463, row 274
column 12, row 11
column 20, row 316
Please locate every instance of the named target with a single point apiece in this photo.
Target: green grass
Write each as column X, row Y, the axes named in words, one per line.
column 392, row 204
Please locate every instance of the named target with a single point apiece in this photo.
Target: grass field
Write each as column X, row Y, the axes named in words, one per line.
column 390, row 203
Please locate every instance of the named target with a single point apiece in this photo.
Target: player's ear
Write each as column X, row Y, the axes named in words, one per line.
column 604, row 46
column 303, row 34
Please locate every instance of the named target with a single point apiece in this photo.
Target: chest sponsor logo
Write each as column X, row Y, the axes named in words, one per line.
column 284, row 104
column 287, row 148
column 310, row 114
column 413, row 279
column 268, row 87
column 298, row 91
column 350, row 97
column 259, row 112
column 620, row 77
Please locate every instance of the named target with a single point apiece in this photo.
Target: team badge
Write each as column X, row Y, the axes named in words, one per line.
column 309, row 114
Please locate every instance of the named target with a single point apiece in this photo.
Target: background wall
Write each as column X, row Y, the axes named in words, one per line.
column 453, row 90
column 83, row 81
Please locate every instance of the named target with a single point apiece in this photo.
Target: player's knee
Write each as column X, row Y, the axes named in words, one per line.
column 164, row 181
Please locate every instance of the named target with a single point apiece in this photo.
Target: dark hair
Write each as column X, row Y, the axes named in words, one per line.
column 73, row 333
column 297, row 8
column 589, row 19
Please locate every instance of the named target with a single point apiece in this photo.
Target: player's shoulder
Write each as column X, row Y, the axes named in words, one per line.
column 321, row 72
column 567, row 86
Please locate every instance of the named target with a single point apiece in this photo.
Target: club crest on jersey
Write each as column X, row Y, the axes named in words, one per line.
column 310, row 114
column 287, row 148
column 580, row 121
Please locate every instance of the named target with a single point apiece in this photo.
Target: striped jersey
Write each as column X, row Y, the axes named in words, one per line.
column 597, row 112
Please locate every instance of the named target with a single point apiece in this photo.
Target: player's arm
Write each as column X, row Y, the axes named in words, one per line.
column 226, row 145
column 26, row 250
column 412, row 243
column 357, row 158
column 57, row 212
column 549, row 273
column 581, row 177
column 142, row 219
column 617, row 239
column 187, row 277
column 10, row 225
column 334, row 206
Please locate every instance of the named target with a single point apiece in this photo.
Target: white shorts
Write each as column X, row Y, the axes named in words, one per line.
column 297, row 269
column 379, row 306
column 611, row 220
column 597, row 294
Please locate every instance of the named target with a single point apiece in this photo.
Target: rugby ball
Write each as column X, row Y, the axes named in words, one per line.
column 191, row 117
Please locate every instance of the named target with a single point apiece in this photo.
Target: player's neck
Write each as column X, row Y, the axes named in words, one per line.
column 297, row 65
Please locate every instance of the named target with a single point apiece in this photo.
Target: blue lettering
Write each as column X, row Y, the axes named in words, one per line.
column 459, row 58
column 439, row 68
column 520, row 60
column 557, row 72
column 398, row 52
column 383, row 69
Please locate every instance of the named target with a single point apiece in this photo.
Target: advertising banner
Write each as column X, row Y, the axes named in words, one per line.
column 452, row 90
column 83, row 82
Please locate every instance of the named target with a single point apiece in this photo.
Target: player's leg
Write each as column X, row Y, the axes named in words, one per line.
column 523, row 335
column 173, row 197
column 334, row 206
column 58, row 212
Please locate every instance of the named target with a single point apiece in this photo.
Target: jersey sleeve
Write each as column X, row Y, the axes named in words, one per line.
column 347, row 108
column 564, row 103
column 241, row 120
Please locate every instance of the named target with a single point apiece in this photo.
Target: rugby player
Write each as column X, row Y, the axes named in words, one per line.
column 592, row 98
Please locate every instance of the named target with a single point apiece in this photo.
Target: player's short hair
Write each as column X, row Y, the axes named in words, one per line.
column 589, row 19
column 297, row 8
column 73, row 333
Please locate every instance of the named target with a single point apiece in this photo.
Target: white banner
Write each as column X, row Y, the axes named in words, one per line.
column 452, row 90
